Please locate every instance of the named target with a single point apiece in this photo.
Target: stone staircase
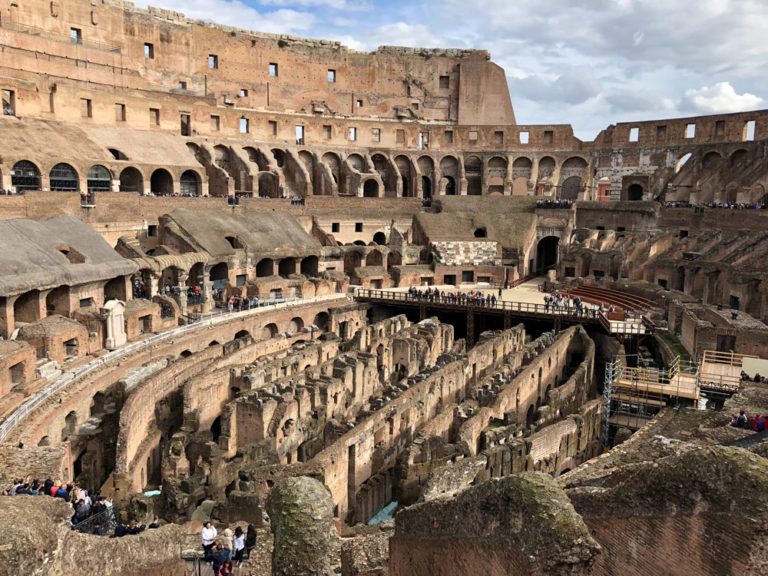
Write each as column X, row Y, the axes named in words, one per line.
column 48, row 369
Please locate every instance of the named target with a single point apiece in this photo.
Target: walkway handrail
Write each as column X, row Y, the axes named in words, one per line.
column 37, row 399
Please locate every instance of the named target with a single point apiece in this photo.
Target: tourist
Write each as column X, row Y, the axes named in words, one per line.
column 250, row 540
column 238, row 545
column 218, row 557
column 741, row 421
column 226, row 569
column 226, row 541
column 208, row 535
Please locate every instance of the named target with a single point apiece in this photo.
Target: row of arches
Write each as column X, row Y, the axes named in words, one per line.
column 63, row 177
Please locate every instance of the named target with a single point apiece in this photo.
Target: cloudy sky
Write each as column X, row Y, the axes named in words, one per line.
column 589, row 63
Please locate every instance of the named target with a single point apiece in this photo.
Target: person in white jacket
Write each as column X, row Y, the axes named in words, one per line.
column 208, row 534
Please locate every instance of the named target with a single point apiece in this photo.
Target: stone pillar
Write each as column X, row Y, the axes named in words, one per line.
column 206, row 289
column 7, row 320
column 180, row 293
column 115, row 324
column 301, row 513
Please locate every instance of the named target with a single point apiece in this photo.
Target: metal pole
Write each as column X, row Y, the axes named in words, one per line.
column 610, row 374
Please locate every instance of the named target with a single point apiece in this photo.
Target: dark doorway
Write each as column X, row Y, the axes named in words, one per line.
column 546, row 253
column 635, row 193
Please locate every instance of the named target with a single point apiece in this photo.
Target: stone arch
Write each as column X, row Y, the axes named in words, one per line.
column 26, row 308
column 546, row 172
column 481, row 233
column 530, row 416
column 737, row 157
column 571, row 188
column 427, row 168
column 679, row 283
column 115, row 289
column 374, row 258
column 309, row 266
column 219, row 274
column 547, row 253
column 497, row 174
column 286, row 267
column 279, row 156
column 25, row 175
column 269, row 331
column 242, row 334
column 322, row 321
column 371, row 188
column 380, row 238
column 394, row 259
column 70, row 426
column 44, row 441
column 258, row 157
column 64, row 178
column 473, row 172
column 449, row 171
column 403, row 164
column 99, row 179
column 131, row 180
column 295, row 325
column 382, row 166
column 635, row 193
column 356, row 162
column 268, row 185
column 333, row 162
column 161, row 182
column 711, row 161
column 191, row 183
column 352, row 260
column 265, row 267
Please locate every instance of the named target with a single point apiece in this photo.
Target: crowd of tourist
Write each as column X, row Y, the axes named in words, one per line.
column 756, row 423
column 719, row 205
column 474, row 298
column 555, row 204
column 219, row 549
column 10, row 192
column 94, row 515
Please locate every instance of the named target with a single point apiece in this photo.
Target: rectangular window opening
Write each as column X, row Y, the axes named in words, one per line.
column 749, row 131
column 76, row 35
column 335, row 227
column 327, row 132
column 376, row 134
column 719, row 128
column 9, row 103
column 149, row 50
column 273, row 127
column 358, row 226
column 473, row 137
column 273, row 69
column 215, row 123
column 186, row 125
column 634, row 134
column 358, row 103
column 498, row 137
column 449, row 136
column 119, row 112
column 352, row 133
column 525, row 137
column 400, row 137
column 299, row 134
column 549, row 136
column 154, row 116
column 445, row 82
column 244, row 126
column 661, row 132
column 331, row 75
column 243, row 93
column 213, row 61
column 690, row 131
column 423, row 140
column 182, row 84
column 86, row 108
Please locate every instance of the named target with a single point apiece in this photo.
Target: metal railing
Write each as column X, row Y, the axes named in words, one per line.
column 67, row 378
column 527, row 308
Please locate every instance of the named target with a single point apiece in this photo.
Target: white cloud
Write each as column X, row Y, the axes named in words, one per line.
column 721, row 98
column 333, row 4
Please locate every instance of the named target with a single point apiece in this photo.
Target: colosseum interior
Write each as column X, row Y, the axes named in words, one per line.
column 347, row 299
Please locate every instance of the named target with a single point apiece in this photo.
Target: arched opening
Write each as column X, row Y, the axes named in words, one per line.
column 219, row 275
column 546, row 253
column 333, row 162
column 371, row 189
column 185, row 353
column 269, row 331
column 117, row 154
column 352, row 260
column 450, row 186
column 279, row 156
column 25, row 176
column 213, row 343
column 426, row 188
column 70, row 426
column 473, row 171
column 635, row 193
column 380, row 238
column 190, row 183
column 268, row 187
column 44, row 441
column 322, row 320
column 481, row 233
column 242, row 334
column 295, row 325
column 394, row 259
column 234, row 242
column 57, row 301
column 680, row 279
column 374, row 258
column 265, row 267
column 97, row 404
column 115, row 289
column 131, row 180
column 26, row 308
column 522, row 168
column 216, row 429
column 738, row 157
column 287, row 266
column 309, row 266
column 571, row 188
column 99, row 179
column 404, row 167
column 161, row 183
column 64, row 178
column 529, row 417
